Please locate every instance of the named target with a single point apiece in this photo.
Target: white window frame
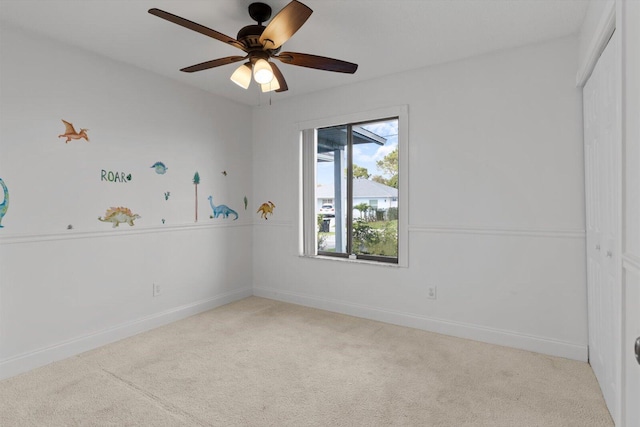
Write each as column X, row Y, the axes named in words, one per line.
column 307, row 236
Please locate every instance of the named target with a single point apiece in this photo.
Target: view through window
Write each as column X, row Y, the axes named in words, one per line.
column 357, row 190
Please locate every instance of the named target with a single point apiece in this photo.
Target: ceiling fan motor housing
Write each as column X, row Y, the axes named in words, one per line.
column 260, row 12
column 250, row 36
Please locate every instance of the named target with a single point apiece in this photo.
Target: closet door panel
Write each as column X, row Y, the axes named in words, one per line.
column 602, row 186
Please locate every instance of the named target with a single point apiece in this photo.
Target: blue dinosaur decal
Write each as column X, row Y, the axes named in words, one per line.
column 223, row 210
column 5, row 202
column 160, row 168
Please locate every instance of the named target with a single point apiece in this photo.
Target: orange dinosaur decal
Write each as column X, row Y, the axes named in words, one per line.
column 119, row 215
column 266, row 208
column 70, row 133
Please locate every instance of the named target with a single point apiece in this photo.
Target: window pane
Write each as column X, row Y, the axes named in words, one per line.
column 375, row 188
column 356, row 193
column 331, row 194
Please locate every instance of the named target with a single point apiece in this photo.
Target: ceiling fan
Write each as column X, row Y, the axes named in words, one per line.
column 261, row 44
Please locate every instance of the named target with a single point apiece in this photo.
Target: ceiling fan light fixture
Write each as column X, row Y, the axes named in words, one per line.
column 261, row 46
column 262, row 71
column 242, row 76
column 272, row 85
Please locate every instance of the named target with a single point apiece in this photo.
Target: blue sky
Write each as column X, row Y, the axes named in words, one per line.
column 366, row 155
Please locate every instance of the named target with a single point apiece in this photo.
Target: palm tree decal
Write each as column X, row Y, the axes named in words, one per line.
column 196, row 181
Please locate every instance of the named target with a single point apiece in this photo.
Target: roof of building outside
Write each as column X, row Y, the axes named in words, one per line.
column 362, row 188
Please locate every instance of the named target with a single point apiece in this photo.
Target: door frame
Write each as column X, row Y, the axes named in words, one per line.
column 629, row 57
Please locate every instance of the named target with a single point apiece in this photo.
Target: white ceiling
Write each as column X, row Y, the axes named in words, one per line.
column 382, row 36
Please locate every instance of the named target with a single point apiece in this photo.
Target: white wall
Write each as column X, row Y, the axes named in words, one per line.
column 64, row 291
column 496, row 202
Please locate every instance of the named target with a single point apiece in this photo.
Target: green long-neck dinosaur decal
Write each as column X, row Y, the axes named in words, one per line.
column 5, row 202
column 223, row 210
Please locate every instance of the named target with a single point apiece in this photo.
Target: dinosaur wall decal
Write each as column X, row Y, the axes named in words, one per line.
column 223, row 210
column 119, row 215
column 5, row 202
column 70, row 133
column 266, row 208
column 160, row 168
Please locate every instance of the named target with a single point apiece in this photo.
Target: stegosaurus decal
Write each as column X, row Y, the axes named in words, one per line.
column 119, row 215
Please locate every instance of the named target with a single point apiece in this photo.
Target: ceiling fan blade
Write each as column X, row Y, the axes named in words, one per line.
column 213, row 63
column 285, row 24
column 317, row 62
column 277, row 74
column 197, row 27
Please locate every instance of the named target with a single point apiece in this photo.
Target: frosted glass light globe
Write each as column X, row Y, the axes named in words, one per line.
column 262, row 71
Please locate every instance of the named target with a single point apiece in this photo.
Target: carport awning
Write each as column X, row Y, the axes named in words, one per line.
column 335, row 138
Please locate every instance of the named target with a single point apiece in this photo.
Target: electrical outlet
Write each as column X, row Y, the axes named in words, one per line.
column 156, row 289
column 431, row 292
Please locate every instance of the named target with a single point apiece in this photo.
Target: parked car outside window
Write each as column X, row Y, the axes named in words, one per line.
column 327, row 210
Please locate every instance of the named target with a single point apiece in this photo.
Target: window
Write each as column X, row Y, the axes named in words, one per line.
column 355, row 165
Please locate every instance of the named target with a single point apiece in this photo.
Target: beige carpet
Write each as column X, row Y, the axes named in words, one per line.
column 259, row 362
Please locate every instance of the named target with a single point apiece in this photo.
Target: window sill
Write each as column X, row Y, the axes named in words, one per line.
column 354, row 261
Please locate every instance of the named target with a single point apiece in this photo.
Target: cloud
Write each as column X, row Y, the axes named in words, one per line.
column 387, row 130
column 361, row 156
column 384, row 150
column 384, row 129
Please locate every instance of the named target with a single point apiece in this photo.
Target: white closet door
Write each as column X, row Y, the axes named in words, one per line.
column 602, row 185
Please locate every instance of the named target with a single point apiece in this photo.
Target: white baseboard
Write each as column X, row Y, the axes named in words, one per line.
column 462, row 330
column 34, row 359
